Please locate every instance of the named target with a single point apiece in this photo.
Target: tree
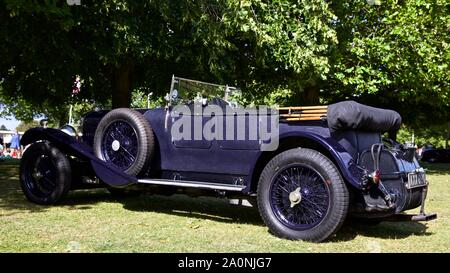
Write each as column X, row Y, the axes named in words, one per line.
column 394, row 54
column 3, row 127
column 436, row 135
column 384, row 53
column 117, row 46
column 23, row 126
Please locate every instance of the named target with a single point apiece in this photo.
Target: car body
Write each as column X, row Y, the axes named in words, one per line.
column 304, row 187
column 436, row 156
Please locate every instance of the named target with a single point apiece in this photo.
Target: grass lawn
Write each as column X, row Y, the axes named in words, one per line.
column 93, row 221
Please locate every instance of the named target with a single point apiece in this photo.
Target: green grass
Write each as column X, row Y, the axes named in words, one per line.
column 93, row 221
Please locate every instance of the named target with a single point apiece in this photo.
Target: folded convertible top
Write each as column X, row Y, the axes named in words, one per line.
column 350, row 115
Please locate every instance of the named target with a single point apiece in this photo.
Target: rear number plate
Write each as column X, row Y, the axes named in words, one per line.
column 416, row 180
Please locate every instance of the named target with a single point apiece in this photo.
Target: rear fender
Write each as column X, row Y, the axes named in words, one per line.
column 342, row 158
column 106, row 172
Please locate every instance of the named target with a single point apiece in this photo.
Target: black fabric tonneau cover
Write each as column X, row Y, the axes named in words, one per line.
column 350, row 115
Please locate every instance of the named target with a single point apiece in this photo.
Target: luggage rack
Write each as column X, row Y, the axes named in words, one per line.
column 302, row 113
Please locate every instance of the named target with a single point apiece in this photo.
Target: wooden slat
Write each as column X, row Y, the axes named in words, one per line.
column 301, row 115
column 302, row 119
column 319, row 111
column 304, row 107
column 301, row 112
column 304, row 112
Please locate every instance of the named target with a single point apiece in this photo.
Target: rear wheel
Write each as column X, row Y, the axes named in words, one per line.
column 45, row 174
column 124, row 138
column 301, row 196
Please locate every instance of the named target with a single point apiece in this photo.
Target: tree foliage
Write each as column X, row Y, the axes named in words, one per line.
column 437, row 136
column 386, row 53
column 23, row 126
column 395, row 54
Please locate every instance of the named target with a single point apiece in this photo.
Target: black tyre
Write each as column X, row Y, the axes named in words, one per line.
column 124, row 138
column 45, row 174
column 302, row 196
column 123, row 193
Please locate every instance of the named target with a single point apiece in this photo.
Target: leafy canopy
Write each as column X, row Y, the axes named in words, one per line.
column 389, row 53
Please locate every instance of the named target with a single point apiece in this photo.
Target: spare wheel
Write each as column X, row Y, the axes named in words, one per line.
column 125, row 138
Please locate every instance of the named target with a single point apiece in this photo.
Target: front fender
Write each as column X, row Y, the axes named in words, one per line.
column 106, row 172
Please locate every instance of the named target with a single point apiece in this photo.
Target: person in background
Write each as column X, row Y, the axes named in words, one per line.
column 15, row 145
column 7, row 153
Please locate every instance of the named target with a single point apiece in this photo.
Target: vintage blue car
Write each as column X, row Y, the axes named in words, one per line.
column 319, row 165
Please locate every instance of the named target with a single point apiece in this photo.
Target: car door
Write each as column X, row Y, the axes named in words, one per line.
column 193, row 122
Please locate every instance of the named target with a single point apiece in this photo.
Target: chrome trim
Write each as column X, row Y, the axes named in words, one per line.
column 192, row 184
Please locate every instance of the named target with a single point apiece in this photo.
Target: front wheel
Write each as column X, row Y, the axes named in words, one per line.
column 302, row 196
column 45, row 174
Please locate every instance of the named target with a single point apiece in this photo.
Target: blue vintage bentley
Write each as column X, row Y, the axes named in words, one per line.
column 325, row 162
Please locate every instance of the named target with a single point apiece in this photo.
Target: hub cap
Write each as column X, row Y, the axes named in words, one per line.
column 115, row 145
column 295, row 197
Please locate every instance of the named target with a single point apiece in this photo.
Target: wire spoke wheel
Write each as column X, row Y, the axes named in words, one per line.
column 41, row 176
column 302, row 196
column 119, row 146
column 125, row 139
column 45, row 174
column 312, row 191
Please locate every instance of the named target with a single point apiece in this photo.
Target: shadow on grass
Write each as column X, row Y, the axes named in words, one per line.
column 436, row 168
column 384, row 230
column 218, row 210
column 205, row 208
column 9, row 162
column 12, row 201
column 11, row 197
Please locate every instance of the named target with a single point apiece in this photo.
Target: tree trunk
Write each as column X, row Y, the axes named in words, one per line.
column 308, row 96
column 61, row 117
column 448, row 135
column 311, row 95
column 121, row 84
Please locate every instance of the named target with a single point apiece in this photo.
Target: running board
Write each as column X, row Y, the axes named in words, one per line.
column 192, row 184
